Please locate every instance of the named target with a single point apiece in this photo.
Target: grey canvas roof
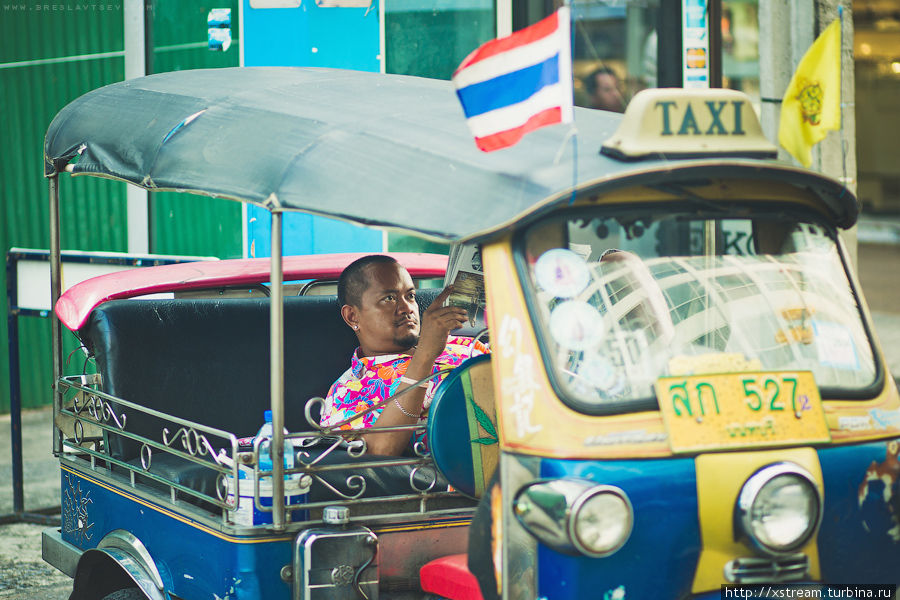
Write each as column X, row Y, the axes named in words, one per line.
column 385, row 150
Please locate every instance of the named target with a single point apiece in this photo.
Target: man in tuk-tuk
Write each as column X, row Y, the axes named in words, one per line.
column 396, row 351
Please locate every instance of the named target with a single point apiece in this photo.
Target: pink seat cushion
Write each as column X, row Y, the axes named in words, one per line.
column 449, row 577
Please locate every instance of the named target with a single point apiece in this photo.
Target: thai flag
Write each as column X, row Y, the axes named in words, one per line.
column 513, row 85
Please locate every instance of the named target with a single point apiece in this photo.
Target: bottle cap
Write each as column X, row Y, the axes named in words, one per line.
column 267, row 416
column 336, row 515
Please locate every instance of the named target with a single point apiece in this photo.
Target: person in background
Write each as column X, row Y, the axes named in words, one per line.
column 604, row 90
column 378, row 301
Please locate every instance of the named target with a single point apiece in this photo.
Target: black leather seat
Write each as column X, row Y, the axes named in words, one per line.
column 207, row 361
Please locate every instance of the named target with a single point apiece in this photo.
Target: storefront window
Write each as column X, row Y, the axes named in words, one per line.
column 877, row 60
column 740, row 47
column 616, row 48
column 430, row 38
column 614, row 52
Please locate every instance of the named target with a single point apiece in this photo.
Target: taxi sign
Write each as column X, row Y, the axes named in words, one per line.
column 741, row 410
column 673, row 122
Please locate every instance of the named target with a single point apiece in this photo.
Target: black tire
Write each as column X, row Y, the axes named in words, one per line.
column 131, row 593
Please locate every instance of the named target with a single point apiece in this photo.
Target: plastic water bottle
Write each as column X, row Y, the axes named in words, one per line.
column 265, row 434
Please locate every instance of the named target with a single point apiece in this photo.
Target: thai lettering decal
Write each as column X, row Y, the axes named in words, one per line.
column 522, row 384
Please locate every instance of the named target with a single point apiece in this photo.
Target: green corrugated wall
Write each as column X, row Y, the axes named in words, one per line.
column 50, row 54
column 182, row 223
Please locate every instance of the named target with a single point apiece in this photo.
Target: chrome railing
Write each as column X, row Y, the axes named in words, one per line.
column 89, row 417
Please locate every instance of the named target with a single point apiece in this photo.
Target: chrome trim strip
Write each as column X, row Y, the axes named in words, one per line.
column 276, row 370
column 55, row 293
column 749, row 570
column 136, row 570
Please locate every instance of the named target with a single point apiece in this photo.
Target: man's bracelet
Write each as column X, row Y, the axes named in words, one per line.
column 411, row 381
column 404, row 411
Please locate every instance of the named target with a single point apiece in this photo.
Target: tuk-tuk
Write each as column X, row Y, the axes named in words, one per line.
column 685, row 391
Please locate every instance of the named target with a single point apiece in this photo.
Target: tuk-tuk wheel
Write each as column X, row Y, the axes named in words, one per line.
column 131, row 593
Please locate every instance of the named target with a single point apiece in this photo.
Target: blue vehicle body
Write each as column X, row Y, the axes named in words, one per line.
column 665, row 534
column 861, row 510
column 193, row 559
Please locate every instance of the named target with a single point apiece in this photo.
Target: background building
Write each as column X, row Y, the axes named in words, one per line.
column 54, row 52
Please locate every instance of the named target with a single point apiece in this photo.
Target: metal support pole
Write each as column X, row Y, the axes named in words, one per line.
column 714, row 22
column 136, row 199
column 276, row 381
column 669, row 70
column 55, row 293
column 504, row 18
column 149, row 9
column 837, row 152
column 15, row 392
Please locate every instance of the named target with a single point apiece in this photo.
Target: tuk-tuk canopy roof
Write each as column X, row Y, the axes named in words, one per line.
column 389, row 151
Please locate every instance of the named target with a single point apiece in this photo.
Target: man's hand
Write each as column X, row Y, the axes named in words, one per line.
column 437, row 323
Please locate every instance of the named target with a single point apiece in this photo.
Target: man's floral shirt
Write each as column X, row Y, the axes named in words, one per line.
column 372, row 379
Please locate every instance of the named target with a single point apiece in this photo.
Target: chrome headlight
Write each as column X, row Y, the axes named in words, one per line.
column 779, row 508
column 575, row 515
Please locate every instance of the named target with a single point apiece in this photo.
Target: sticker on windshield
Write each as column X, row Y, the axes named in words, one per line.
column 835, row 345
column 576, row 325
column 562, row 273
column 601, row 372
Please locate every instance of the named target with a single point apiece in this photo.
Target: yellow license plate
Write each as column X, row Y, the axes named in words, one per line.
column 741, row 410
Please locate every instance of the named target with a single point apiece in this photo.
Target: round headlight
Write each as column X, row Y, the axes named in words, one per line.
column 575, row 516
column 602, row 521
column 779, row 508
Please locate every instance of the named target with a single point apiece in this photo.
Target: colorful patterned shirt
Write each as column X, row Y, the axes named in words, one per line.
column 373, row 379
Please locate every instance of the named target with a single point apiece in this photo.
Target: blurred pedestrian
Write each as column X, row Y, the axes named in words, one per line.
column 604, row 89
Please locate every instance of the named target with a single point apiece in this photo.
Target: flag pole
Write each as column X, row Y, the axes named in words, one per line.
column 572, row 134
column 574, row 161
column 841, row 91
column 573, row 130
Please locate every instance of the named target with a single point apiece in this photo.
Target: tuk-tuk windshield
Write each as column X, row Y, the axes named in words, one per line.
column 620, row 302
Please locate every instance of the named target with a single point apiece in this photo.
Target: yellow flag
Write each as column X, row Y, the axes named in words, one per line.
column 812, row 103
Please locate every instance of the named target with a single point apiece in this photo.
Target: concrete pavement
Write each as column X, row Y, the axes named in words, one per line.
column 23, row 574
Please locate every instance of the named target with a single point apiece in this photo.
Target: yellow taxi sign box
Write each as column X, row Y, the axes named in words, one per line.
column 672, row 122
